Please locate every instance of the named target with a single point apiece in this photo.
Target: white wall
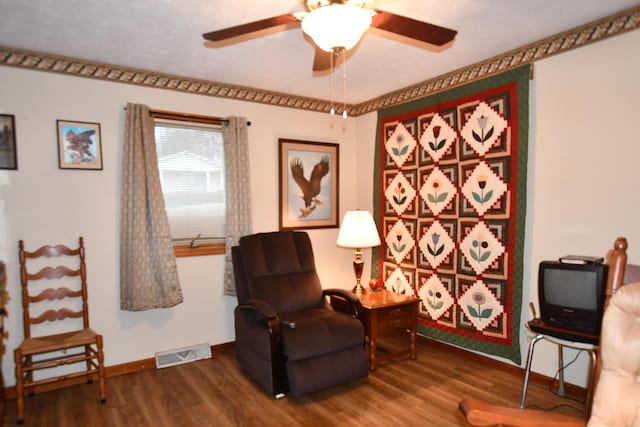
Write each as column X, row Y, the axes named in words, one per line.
column 583, row 150
column 583, row 154
column 366, row 135
column 43, row 204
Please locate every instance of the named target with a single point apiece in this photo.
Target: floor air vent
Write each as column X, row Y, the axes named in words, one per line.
column 183, row 355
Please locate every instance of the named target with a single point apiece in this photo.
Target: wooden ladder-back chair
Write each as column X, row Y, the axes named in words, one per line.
column 61, row 298
column 479, row 413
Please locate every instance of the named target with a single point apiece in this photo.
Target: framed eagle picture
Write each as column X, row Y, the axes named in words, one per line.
column 309, row 183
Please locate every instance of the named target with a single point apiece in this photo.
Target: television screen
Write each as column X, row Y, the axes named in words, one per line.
column 572, row 295
column 571, row 288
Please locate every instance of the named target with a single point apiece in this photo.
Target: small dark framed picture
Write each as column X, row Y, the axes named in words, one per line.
column 79, row 145
column 308, row 184
column 8, row 151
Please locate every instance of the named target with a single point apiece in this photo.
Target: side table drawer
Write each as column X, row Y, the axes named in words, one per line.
column 394, row 326
column 395, row 312
column 395, row 320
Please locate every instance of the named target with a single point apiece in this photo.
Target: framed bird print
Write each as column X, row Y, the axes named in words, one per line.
column 308, row 184
column 79, row 145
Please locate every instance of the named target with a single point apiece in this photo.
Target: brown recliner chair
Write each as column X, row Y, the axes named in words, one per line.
column 288, row 338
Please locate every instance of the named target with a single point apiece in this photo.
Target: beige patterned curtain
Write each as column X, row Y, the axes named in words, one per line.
column 148, row 274
column 238, row 192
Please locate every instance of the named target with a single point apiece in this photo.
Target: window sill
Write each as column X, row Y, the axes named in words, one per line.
column 184, row 250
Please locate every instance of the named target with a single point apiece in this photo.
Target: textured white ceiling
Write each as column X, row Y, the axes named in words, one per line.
column 166, row 36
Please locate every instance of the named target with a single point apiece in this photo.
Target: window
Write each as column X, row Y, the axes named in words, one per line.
column 191, row 165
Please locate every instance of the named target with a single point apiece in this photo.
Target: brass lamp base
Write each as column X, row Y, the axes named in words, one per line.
column 358, row 289
column 358, row 265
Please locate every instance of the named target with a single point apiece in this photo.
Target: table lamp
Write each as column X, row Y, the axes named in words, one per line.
column 358, row 231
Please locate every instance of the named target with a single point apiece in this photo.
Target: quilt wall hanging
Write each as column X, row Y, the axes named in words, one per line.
column 449, row 200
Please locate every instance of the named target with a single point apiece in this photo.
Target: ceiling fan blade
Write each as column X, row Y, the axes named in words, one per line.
column 251, row 27
column 321, row 60
column 408, row 27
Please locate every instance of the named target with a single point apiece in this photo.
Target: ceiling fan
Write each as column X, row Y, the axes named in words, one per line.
column 336, row 26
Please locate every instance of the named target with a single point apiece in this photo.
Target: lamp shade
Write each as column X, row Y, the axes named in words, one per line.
column 336, row 26
column 358, row 230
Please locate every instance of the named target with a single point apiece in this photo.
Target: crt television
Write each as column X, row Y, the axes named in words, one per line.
column 572, row 292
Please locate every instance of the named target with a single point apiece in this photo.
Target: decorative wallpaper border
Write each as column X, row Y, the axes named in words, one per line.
column 598, row 30
column 81, row 68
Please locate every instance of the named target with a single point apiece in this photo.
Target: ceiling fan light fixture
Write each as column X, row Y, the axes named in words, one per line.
column 336, row 26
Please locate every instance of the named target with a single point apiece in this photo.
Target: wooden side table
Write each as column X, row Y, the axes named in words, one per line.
column 383, row 312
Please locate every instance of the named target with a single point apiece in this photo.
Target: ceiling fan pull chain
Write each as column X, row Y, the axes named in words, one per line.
column 333, row 110
column 344, row 84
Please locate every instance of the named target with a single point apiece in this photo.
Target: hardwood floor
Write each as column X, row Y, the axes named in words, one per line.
column 215, row 392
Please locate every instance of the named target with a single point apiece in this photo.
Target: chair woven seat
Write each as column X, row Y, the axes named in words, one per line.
column 48, row 343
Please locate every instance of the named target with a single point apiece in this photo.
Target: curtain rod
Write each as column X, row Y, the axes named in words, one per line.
column 164, row 114
column 192, row 117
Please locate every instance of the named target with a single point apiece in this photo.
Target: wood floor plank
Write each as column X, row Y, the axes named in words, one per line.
column 215, row 392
